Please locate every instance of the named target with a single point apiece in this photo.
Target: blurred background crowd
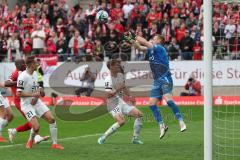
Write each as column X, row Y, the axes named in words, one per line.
column 48, row 27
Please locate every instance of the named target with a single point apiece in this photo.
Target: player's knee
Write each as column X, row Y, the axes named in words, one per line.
column 10, row 117
column 152, row 102
column 140, row 114
column 121, row 122
column 51, row 120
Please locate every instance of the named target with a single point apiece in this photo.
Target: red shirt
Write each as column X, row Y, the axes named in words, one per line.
column 151, row 17
column 195, row 87
column 197, row 50
column 14, row 77
column 116, row 13
column 119, row 28
column 180, row 33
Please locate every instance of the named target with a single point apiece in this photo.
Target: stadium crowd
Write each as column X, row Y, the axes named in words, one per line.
column 53, row 27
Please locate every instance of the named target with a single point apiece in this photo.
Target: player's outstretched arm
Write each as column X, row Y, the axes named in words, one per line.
column 139, row 47
column 144, row 42
column 131, row 37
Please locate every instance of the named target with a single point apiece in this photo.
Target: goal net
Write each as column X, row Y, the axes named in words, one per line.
column 226, row 110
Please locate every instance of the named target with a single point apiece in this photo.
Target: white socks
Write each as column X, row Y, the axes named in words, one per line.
column 32, row 134
column 3, row 123
column 53, row 132
column 137, row 127
column 111, row 130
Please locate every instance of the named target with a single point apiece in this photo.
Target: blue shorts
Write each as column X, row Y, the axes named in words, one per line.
column 161, row 87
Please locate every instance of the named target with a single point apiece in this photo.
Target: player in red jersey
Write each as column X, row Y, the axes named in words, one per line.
column 12, row 82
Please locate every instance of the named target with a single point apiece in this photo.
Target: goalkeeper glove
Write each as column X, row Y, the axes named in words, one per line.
column 129, row 36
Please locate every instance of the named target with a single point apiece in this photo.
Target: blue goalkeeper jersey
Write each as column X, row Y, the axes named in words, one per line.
column 159, row 62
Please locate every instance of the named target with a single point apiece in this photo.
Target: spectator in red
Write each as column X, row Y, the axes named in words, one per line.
column 51, row 46
column 151, row 17
column 29, row 22
column 27, row 45
column 43, row 21
column 143, row 8
column 180, row 32
column 88, row 46
column 197, row 50
column 174, row 10
column 193, row 86
column 118, row 27
column 117, row 13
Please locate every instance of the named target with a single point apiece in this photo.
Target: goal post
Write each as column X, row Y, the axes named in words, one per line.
column 207, row 22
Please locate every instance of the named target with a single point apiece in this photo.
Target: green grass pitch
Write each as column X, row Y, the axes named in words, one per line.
column 80, row 139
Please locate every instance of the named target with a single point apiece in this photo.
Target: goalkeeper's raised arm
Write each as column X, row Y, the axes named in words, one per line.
column 139, row 42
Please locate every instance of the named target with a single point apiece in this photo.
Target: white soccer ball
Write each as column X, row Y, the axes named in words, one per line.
column 102, row 16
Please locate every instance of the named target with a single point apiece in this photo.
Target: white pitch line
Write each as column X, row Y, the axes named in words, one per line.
column 62, row 139
column 85, row 136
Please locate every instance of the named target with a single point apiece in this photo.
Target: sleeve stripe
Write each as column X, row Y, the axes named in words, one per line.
column 20, row 88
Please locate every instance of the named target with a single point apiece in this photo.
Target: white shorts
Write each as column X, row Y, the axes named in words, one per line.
column 39, row 109
column 3, row 102
column 122, row 108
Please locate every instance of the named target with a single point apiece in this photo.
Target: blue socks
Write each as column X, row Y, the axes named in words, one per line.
column 156, row 113
column 175, row 110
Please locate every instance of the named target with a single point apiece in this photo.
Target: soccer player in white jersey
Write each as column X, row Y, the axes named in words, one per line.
column 6, row 114
column 117, row 107
column 32, row 106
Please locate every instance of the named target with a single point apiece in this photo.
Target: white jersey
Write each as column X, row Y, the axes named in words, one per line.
column 27, row 83
column 3, row 102
column 111, row 83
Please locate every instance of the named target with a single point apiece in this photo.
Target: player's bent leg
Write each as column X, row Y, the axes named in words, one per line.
column 120, row 121
column 137, row 125
column 12, row 132
column 34, row 131
column 155, row 110
column 53, row 130
column 157, row 115
column 3, row 122
column 176, row 111
column 9, row 114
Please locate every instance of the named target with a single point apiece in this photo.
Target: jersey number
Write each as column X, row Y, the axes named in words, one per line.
column 106, row 84
column 116, row 110
column 20, row 82
column 29, row 114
